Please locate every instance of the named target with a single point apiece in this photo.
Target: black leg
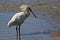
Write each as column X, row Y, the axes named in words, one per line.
column 19, row 33
column 16, row 33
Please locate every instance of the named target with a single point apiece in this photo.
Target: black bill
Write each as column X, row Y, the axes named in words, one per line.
column 32, row 13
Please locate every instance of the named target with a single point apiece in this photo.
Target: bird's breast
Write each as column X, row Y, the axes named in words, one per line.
column 18, row 18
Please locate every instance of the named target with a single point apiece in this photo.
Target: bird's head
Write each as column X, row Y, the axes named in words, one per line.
column 24, row 7
column 27, row 8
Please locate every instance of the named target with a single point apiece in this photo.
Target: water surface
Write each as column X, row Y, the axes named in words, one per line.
column 31, row 29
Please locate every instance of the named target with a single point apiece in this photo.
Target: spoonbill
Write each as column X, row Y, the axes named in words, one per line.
column 20, row 17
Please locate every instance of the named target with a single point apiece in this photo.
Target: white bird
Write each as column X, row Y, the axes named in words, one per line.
column 20, row 17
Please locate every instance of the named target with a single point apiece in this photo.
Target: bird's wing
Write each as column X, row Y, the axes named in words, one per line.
column 18, row 17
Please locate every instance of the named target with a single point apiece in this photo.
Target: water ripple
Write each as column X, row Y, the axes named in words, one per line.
column 36, row 33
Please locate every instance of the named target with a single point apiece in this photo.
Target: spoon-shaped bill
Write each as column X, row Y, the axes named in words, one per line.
column 32, row 12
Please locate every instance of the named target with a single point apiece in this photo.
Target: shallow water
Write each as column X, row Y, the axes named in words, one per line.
column 31, row 29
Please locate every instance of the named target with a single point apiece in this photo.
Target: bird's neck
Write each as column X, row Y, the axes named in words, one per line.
column 27, row 13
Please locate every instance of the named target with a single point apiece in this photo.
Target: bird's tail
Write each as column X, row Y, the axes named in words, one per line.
column 9, row 24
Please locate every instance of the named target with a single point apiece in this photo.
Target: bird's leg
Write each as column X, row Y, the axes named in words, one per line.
column 17, row 33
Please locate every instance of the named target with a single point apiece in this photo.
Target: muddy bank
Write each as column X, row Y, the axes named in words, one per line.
column 12, row 5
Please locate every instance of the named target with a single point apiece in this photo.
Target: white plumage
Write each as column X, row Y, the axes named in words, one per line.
column 20, row 17
column 17, row 19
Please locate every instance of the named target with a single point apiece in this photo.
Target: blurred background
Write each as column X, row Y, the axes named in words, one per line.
column 45, row 27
